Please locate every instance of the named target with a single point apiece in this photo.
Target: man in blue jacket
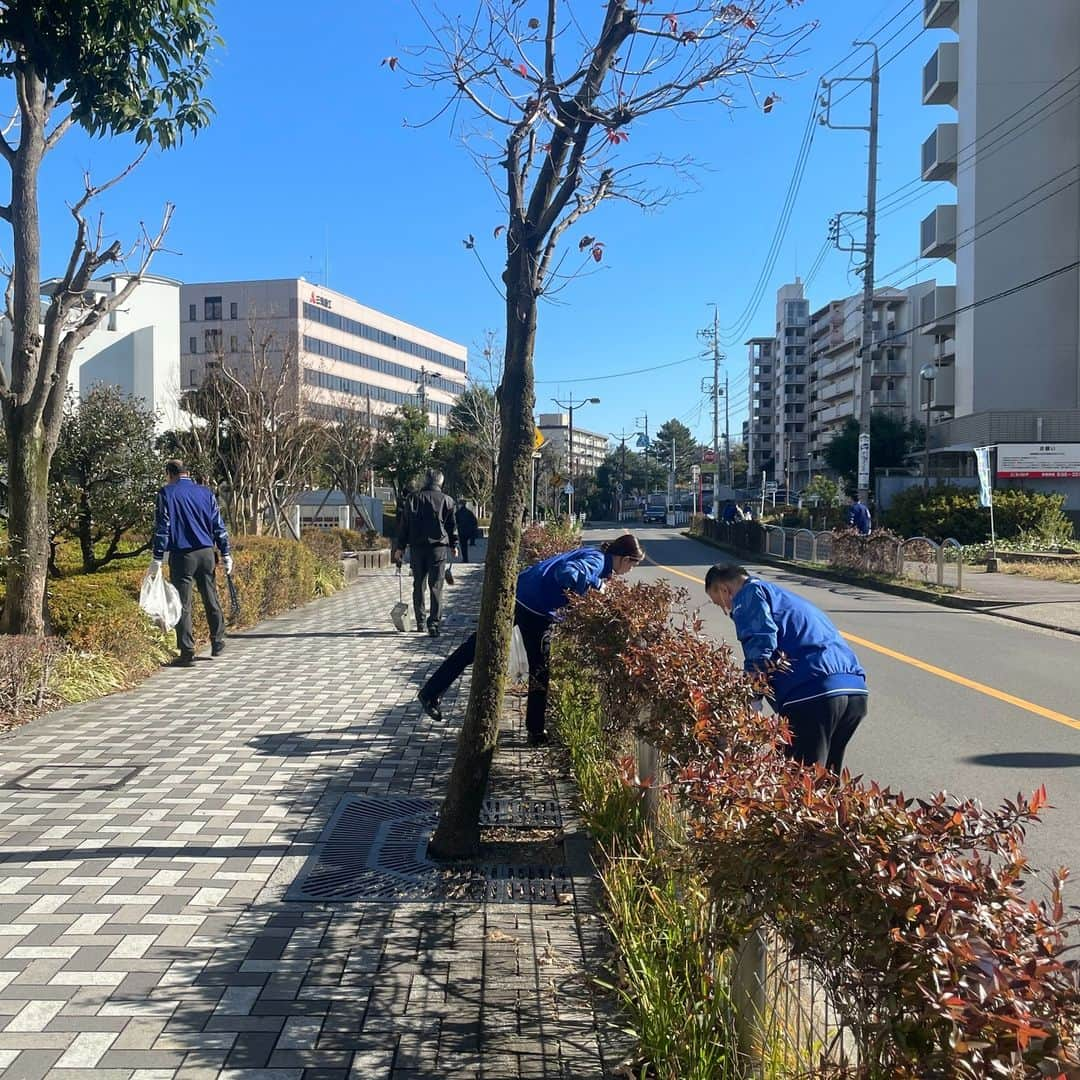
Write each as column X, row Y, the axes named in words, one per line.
column 188, row 525
column 542, row 590
column 815, row 680
column 858, row 516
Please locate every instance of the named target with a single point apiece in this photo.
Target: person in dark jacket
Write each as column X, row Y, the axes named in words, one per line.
column 467, row 528
column 188, row 525
column 815, row 680
column 542, row 591
column 427, row 528
column 858, row 516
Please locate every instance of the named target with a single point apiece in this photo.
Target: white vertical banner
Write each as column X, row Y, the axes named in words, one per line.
column 986, row 486
column 864, row 461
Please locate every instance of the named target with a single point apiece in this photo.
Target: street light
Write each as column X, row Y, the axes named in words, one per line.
column 928, row 373
column 570, row 406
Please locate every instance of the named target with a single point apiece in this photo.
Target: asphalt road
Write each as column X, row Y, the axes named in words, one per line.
column 960, row 702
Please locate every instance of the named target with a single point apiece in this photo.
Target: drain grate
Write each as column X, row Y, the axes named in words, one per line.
column 375, row 850
column 521, row 814
column 60, row 778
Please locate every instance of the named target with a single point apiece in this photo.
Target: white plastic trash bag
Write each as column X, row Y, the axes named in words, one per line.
column 518, row 669
column 160, row 600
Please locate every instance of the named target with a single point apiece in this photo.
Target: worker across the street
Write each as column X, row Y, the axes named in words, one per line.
column 815, row 680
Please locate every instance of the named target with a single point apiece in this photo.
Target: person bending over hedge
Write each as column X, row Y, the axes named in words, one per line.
column 819, row 686
column 542, row 590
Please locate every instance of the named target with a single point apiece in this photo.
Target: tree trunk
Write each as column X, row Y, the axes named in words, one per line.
column 86, row 536
column 458, row 832
column 28, row 529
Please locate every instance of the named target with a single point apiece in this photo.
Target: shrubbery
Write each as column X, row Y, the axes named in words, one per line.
column 543, row 539
column 911, row 911
column 954, row 512
column 105, row 643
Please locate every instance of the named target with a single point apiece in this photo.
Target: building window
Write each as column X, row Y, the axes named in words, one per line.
column 192, row 376
column 233, row 310
column 233, row 343
column 191, row 310
column 193, row 345
column 213, row 341
column 212, row 308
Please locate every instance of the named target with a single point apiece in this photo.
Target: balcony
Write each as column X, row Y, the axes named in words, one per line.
column 941, row 14
column 887, row 399
column 889, row 366
column 943, row 390
column 939, row 154
column 938, row 233
column 936, row 310
column 941, row 75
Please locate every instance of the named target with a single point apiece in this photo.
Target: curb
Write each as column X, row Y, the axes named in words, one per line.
column 960, row 603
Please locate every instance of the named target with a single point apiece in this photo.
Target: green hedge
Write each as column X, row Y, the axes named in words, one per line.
column 954, row 512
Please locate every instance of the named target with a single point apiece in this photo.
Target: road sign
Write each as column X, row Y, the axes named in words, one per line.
column 709, row 457
column 568, row 489
column 771, row 485
column 538, row 438
column 695, row 471
column 619, row 487
column 864, row 461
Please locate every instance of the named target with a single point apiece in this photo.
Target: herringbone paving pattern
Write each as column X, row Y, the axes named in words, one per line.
column 147, row 840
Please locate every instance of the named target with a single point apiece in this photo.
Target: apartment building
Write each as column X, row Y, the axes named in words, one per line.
column 136, row 347
column 590, row 447
column 791, row 373
column 349, row 356
column 897, row 356
column 759, row 432
column 1005, row 147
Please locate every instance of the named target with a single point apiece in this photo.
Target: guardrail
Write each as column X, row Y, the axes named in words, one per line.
column 918, row 557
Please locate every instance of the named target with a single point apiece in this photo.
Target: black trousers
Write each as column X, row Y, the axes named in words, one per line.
column 463, row 544
column 187, row 568
column 822, row 728
column 536, row 634
column 428, row 567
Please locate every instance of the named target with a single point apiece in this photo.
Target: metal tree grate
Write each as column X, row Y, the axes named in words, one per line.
column 375, row 850
column 521, row 813
column 61, row 778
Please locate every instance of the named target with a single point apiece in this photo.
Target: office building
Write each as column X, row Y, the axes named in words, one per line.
column 590, row 448
column 136, row 347
column 759, row 432
column 343, row 355
column 1005, row 146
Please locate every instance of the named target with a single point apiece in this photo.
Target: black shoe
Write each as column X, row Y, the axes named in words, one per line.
column 430, row 706
column 218, row 649
column 538, row 738
column 433, row 629
column 183, row 660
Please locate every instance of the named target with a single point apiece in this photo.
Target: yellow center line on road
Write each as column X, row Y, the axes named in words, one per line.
column 922, row 665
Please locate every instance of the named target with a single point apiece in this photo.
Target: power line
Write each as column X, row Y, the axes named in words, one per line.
column 615, row 374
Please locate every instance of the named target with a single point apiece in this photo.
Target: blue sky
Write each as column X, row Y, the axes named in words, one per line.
column 308, row 157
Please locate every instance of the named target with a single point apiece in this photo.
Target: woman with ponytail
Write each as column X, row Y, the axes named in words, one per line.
column 542, row 590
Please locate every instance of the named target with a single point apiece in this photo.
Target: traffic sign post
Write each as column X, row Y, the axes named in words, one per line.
column 864, row 462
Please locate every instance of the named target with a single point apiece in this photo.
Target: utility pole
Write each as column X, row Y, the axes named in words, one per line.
column 570, row 406
column 866, row 352
column 713, row 334
column 727, row 435
column 622, row 436
column 421, row 390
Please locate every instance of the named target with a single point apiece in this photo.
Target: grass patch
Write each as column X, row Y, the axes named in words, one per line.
column 1067, row 573
column 670, row 977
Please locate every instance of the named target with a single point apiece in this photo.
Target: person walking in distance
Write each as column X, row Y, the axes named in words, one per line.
column 427, row 528
column 467, row 528
column 815, row 680
column 188, row 525
column 542, row 590
column 858, row 516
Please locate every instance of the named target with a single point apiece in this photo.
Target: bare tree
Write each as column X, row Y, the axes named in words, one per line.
column 558, row 98
column 349, row 442
column 250, row 422
column 111, row 67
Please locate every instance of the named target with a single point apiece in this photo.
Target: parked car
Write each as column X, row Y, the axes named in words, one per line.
column 655, row 513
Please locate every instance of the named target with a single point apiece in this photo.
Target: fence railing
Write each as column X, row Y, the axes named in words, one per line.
column 917, row 558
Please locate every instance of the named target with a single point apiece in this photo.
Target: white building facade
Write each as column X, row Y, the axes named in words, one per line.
column 349, row 357
column 136, row 347
column 590, row 447
column 1006, row 137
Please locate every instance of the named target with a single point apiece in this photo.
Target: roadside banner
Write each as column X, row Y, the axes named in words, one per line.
column 986, row 489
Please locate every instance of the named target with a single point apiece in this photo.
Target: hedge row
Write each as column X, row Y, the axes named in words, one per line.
column 948, row 511
column 108, row 644
column 912, row 911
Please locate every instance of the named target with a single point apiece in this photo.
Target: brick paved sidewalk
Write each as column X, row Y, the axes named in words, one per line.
column 147, row 840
